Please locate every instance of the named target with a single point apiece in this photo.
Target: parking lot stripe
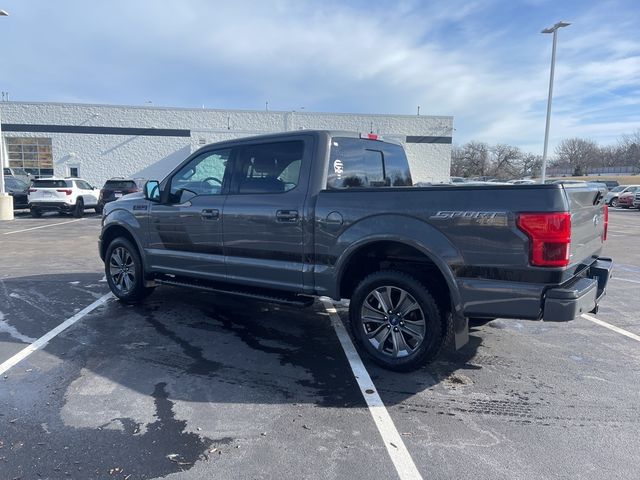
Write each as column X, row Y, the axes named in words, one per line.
column 625, row 280
column 398, row 452
column 46, row 338
column 611, row 327
column 43, row 226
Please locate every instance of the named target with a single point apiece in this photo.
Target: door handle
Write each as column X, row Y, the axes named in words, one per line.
column 210, row 214
column 287, row 216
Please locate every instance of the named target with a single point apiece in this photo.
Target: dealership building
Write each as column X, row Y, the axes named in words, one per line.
column 97, row 142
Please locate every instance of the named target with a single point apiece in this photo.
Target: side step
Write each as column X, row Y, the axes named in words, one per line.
column 270, row 296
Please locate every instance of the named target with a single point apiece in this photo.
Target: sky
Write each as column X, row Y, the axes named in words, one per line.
column 485, row 63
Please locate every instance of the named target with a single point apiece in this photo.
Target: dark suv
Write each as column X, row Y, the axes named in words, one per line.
column 114, row 189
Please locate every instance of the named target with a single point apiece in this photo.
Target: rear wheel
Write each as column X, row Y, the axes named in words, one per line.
column 99, row 209
column 35, row 212
column 79, row 210
column 396, row 321
column 124, row 271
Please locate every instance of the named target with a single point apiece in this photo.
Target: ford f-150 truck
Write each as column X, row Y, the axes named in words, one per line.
column 293, row 216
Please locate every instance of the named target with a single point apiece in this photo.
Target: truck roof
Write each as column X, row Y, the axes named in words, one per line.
column 276, row 135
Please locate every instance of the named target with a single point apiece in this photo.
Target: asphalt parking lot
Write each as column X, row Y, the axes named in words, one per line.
column 193, row 385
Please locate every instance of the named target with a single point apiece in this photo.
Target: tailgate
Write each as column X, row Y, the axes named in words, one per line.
column 586, row 205
column 39, row 194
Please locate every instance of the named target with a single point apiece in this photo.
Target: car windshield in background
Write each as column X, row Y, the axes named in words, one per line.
column 120, row 184
column 50, row 184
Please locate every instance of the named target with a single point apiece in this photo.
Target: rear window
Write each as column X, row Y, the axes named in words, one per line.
column 362, row 163
column 14, row 183
column 51, row 184
column 120, row 184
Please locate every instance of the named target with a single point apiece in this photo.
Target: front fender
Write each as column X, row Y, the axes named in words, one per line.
column 124, row 219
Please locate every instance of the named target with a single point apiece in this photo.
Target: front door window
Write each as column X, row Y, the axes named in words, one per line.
column 204, row 175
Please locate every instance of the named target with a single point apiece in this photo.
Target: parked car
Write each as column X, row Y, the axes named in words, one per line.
column 64, row 195
column 609, row 183
column 626, row 200
column 114, row 189
column 18, row 173
column 18, row 190
column 522, row 182
column 291, row 216
column 612, row 197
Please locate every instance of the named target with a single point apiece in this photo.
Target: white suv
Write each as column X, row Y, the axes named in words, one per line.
column 64, row 195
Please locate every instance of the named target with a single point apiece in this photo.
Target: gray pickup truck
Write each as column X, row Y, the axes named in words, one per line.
column 293, row 216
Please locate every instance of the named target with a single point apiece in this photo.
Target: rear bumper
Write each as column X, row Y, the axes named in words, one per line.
column 57, row 206
column 580, row 296
column 485, row 298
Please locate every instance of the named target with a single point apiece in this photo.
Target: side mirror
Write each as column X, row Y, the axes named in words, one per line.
column 152, row 190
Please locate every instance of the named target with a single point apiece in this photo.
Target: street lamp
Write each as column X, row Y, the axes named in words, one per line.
column 553, row 30
column 6, row 201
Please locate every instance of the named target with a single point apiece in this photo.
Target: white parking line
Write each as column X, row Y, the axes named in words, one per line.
column 43, row 340
column 43, row 226
column 625, row 280
column 396, row 448
column 611, row 327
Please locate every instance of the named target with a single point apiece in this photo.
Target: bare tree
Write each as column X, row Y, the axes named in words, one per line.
column 629, row 146
column 504, row 161
column 476, row 158
column 577, row 153
column 530, row 165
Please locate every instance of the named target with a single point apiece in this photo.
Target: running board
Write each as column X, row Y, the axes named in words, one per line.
column 270, row 296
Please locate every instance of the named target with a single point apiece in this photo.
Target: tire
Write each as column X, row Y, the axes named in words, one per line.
column 35, row 213
column 99, row 209
column 613, row 203
column 124, row 271
column 78, row 212
column 407, row 338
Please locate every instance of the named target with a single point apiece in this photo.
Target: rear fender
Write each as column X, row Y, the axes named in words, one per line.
column 414, row 233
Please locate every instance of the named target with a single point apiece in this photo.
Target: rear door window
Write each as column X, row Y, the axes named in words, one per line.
column 362, row 163
column 270, row 167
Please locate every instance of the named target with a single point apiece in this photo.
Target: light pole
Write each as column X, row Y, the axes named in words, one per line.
column 6, row 201
column 553, row 30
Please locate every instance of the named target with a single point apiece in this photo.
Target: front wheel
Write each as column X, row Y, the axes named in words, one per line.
column 396, row 321
column 613, row 202
column 124, row 271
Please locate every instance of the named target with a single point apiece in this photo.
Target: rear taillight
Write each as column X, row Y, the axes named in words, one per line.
column 66, row 191
column 606, row 222
column 550, row 236
column 31, row 190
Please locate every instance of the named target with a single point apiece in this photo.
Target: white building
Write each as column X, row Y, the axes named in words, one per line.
column 97, row 142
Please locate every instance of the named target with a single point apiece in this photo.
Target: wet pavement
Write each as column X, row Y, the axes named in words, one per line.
column 195, row 385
